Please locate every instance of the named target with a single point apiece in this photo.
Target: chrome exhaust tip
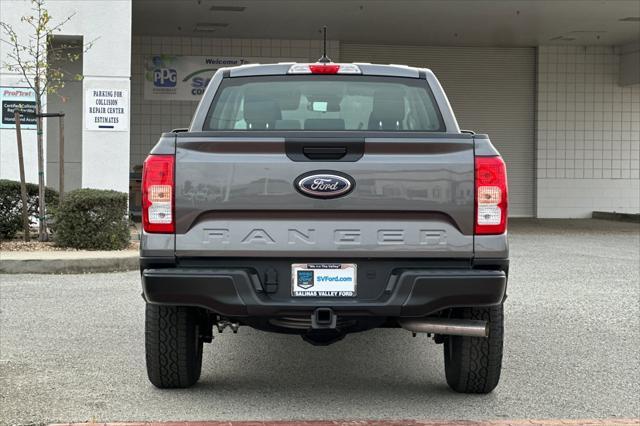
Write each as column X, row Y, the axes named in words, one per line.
column 446, row 326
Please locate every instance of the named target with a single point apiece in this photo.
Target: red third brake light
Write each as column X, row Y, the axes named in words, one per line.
column 324, row 69
column 491, row 196
column 158, row 191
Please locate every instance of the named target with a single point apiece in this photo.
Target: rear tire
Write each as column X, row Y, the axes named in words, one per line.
column 173, row 345
column 473, row 364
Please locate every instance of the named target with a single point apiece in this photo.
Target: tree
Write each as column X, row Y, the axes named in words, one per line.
column 35, row 57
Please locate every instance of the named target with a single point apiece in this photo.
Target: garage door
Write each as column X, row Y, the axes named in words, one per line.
column 492, row 90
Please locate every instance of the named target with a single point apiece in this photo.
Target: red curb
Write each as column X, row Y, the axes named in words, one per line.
column 522, row 422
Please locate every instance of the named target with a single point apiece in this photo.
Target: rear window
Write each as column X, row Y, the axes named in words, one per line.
column 324, row 102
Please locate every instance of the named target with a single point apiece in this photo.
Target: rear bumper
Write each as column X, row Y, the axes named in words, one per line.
column 238, row 292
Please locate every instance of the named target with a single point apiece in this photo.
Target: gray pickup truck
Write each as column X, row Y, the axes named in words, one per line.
column 323, row 199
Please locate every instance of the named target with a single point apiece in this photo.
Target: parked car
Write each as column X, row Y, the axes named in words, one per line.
column 324, row 199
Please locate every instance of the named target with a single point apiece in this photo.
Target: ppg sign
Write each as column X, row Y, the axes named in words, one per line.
column 165, row 77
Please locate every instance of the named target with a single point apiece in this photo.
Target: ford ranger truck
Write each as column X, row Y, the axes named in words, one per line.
column 320, row 200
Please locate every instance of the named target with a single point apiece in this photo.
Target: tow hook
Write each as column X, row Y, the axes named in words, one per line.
column 222, row 324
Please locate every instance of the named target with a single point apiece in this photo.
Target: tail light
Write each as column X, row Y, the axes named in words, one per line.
column 491, row 196
column 158, row 191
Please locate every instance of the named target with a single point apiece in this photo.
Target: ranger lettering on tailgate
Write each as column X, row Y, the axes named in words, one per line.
column 309, row 236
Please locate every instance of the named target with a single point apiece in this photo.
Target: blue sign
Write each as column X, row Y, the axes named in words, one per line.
column 21, row 99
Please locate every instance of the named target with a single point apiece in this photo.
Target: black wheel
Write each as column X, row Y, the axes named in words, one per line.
column 473, row 364
column 173, row 345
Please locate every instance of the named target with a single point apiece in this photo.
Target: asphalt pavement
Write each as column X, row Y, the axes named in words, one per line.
column 71, row 349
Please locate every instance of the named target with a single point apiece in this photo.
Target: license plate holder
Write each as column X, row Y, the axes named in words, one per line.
column 324, row 279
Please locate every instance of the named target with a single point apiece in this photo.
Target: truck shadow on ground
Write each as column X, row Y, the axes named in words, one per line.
column 376, row 363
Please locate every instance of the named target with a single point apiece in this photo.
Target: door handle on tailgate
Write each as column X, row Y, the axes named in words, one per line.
column 324, row 152
column 324, row 148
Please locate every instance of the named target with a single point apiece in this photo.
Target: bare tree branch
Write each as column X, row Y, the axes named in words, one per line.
column 60, row 24
column 15, row 55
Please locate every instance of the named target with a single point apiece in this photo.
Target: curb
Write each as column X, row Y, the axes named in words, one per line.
column 620, row 217
column 78, row 263
column 521, row 422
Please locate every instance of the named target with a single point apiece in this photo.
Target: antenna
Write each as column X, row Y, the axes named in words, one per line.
column 325, row 59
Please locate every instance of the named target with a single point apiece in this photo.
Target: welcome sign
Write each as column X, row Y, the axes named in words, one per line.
column 184, row 78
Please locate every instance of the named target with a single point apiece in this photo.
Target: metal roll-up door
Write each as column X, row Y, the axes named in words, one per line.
column 491, row 90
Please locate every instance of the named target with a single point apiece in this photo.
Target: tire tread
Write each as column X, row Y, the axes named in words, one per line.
column 173, row 354
column 473, row 364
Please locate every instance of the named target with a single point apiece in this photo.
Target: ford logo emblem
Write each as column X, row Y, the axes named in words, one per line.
column 324, row 184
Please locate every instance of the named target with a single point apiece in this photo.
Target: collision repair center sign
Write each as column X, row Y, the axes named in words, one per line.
column 107, row 109
column 184, row 78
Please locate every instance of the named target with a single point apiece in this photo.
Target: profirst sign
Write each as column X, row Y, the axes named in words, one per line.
column 107, row 109
column 20, row 99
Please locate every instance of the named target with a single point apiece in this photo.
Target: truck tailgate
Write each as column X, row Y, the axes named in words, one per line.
column 236, row 196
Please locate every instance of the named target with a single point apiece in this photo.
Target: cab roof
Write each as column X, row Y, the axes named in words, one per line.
column 283, row 68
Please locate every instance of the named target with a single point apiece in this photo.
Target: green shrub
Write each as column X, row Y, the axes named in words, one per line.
column 11, row 206
column 92, row 219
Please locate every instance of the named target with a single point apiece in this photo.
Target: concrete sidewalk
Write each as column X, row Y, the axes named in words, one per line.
column 67, row 262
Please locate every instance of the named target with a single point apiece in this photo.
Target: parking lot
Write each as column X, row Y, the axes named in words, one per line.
column 71, row 349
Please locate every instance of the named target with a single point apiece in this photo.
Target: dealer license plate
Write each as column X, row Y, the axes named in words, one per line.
column 323, row 279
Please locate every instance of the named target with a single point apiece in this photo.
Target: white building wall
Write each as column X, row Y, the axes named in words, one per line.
column 105, row 155
column 588, row 134
column 150, row 118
